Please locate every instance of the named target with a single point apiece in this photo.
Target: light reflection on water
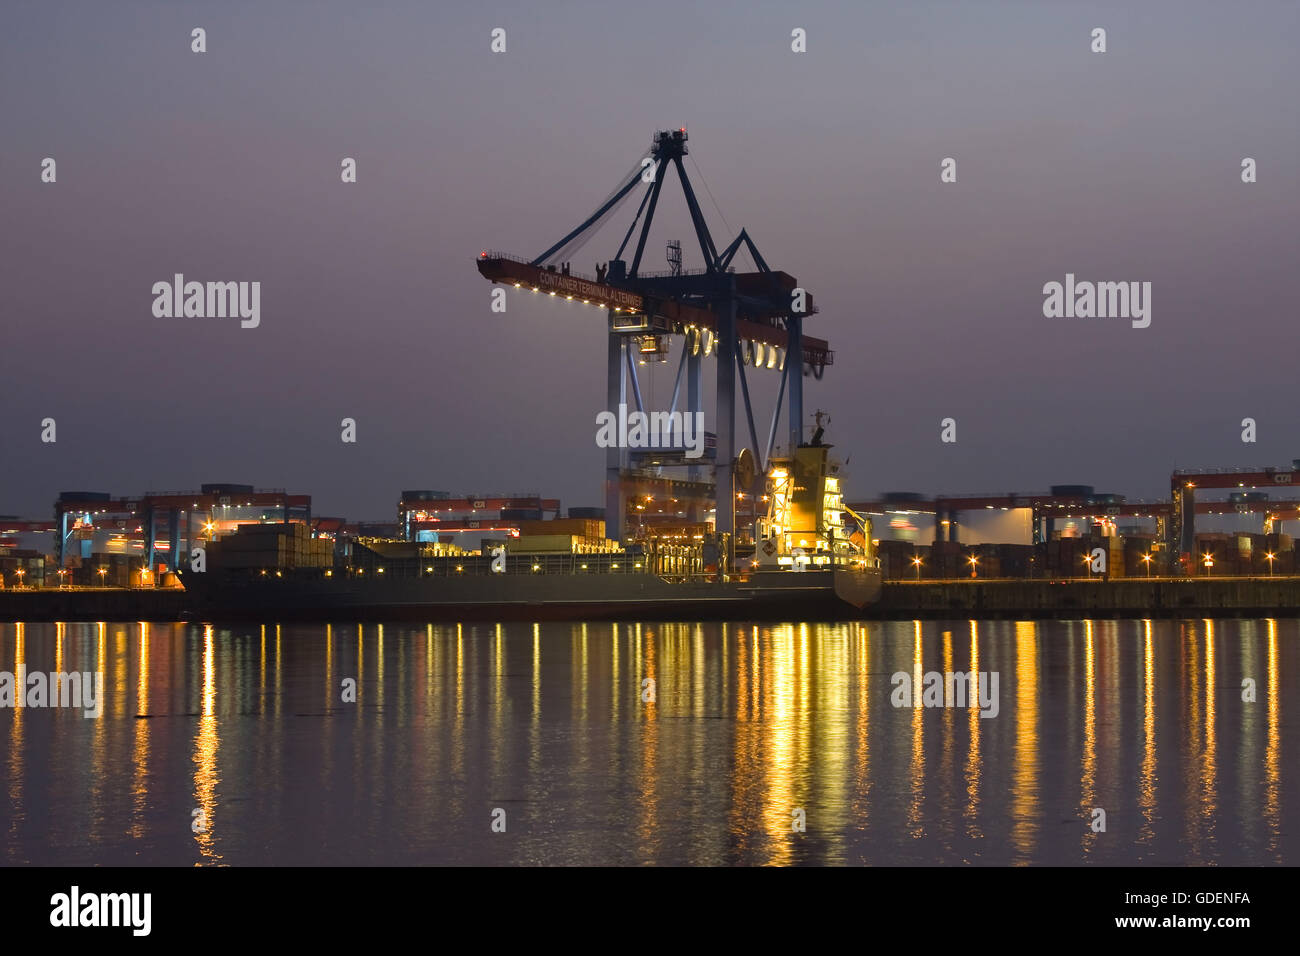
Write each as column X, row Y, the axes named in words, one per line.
column 653, row 743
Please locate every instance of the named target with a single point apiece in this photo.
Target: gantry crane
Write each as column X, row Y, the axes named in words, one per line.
column 748, row 319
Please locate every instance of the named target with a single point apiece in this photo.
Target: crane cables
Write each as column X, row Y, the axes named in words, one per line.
column 568, row 251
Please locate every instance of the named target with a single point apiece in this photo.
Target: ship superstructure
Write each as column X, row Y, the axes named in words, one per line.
column 804, row 526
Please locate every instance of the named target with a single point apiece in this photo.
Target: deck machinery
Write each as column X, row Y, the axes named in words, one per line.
column 744, row 319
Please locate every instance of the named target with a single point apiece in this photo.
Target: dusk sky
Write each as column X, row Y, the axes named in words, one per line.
column 225, row 166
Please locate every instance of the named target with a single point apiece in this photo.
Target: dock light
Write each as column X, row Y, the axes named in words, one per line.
column 584, row 567
column 428, row 570
column 537, row 567
column 1147, row 559
column 638, row 564
column 1209, row 560
column 101, row 573
column 460, row 567
column 973, row 561
column 329, row 573
column 279, row 574
column 380, row 570
column 916, row 563
column 615, row 565
column 1270, row 558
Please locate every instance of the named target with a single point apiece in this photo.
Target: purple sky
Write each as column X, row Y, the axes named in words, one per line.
column 225, row 166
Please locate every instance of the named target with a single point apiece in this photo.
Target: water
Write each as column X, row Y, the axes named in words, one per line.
column 246, row 726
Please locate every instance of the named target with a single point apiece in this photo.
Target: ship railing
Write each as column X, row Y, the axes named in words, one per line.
column 498, row 254
column 516, row 564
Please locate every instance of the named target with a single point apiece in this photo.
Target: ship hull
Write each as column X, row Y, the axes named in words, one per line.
column 837, row 594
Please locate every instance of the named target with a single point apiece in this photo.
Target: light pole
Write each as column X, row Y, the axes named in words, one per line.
column 1087, row 565
column 1147, row 559
column 101, row 573
column 973, row 561
column 916, row 563
column 1270, row 557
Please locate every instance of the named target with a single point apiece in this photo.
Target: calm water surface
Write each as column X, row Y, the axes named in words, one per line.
column 749, row 723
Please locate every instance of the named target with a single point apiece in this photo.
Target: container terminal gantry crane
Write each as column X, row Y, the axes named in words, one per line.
column 750, row 319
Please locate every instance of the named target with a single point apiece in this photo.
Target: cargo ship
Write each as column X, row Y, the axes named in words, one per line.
column 807, row 563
